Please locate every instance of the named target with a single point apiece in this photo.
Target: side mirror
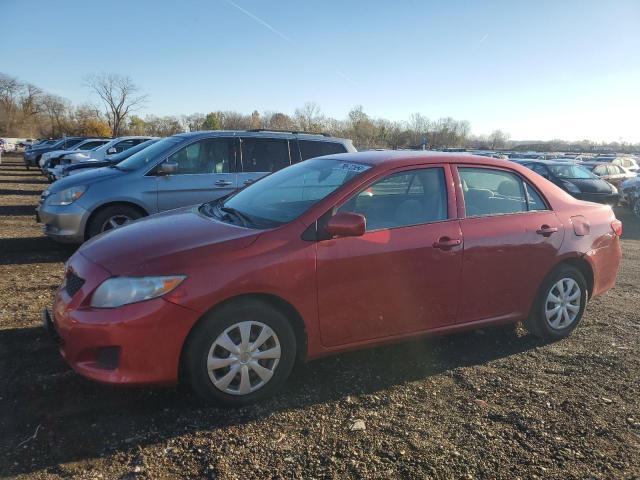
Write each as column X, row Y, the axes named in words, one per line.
column 111, row 151
column 168, row 168
column 346, row 224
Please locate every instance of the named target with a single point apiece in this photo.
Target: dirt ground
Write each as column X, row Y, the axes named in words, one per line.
column 486, row 404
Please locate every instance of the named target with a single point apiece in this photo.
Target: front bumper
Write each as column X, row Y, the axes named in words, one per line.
column 605, row 198
column 134, row 344
column 64, row 223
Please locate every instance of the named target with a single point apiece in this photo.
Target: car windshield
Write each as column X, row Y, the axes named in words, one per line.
column 571, row 171
column 119, row 157
column 286, row 194
column 146, row 156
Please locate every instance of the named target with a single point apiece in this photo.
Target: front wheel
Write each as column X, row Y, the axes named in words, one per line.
column 240, row 354
column 559, row 305
column 112, row 217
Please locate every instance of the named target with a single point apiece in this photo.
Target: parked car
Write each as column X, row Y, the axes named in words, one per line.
column 630, row 194
column 32, row 156
column 51, row 159
column 576, row 180
column 109, row 160
column 332, row 254
column 614, row 174
column 116, row 145
column 181, row 170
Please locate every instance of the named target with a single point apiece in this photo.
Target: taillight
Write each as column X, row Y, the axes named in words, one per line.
column 616, row 226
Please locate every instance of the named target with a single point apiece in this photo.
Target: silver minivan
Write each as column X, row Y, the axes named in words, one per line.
column 181, row 170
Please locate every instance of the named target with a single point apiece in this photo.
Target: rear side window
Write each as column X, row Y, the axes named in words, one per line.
column 211, row 155
column 264, row 154
column 311, row 149
column 497, row 192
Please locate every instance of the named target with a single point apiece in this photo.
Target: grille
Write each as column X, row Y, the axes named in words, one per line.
column 74, row 283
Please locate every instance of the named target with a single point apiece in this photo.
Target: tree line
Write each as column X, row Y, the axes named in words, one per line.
column 28, row 111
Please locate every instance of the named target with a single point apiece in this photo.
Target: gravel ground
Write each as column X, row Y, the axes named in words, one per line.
column 485, row 404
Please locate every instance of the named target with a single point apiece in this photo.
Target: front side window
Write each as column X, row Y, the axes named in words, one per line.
column 601, row 170
column 264, row 154
column 124, row 145
column 311, row 149
column 211, row 155
column 91, row 145
column 285, row 195
column 149, row 155
column 402, row 199
column 491, row 192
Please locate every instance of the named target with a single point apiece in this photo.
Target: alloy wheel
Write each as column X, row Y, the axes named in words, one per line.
column 563, row 303
column 115, row 221
column 243, row 358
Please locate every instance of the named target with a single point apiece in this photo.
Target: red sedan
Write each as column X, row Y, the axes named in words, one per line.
column 332, row 254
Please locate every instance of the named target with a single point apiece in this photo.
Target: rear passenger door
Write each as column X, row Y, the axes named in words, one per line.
column 260, row 157
column 511, row 241
column 206, row 171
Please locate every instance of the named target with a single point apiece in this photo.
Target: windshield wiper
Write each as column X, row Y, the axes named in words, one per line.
column 246, row 221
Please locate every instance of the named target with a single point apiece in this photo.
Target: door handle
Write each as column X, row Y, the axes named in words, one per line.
column 248, row 182
column 546, row 230
column 445, row 243
column 222, row 183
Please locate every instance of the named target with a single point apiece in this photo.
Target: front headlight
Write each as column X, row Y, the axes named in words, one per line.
column 118, row 291
column 571, row 188
column 67, row 196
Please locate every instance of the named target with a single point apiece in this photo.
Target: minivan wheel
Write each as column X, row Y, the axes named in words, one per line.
column 240, row 354
column 112, row 217
column 559, row 305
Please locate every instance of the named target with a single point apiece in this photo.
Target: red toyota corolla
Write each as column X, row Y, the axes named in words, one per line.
column 328, row 255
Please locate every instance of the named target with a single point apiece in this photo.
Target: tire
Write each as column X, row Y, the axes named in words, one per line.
column 559, row 324
column 104, row 220
column 203, row 348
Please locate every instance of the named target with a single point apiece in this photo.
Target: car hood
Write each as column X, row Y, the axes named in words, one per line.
column 86, row 178
column 590, row 185
column 166, row 243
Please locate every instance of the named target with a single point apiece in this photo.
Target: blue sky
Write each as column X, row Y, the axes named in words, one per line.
column 536, row 69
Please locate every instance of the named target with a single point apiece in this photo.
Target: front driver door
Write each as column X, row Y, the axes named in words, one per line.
column 402, row 275
column 206, row 171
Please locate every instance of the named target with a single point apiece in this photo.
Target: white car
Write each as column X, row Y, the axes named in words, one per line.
column 116, row 145
column 88, row 144
column 630, row 194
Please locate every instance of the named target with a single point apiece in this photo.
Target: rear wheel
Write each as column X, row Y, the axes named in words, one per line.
column 240, row 354
column 559, row 305
column 112, row 217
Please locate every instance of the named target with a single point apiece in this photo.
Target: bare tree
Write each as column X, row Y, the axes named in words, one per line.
column 309, row 117
column 119, row 95
column 498, row 139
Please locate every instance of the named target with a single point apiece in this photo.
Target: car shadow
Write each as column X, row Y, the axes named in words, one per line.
column 6, row 191
column 25, row 250
column 43, row 395
column 24, row 181
column 17, row 210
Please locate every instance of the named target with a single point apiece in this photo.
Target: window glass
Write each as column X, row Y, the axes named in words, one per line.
column 264, row 154
column 310, row 149
column 124, row 145
column 491, row 192
column 534, row 200
column 287, row 194
column 147, row 156
column 212, row 155
column 402, row 199
column 601, row 170
column 571, row 171
column 91, row 145
column 613, row 170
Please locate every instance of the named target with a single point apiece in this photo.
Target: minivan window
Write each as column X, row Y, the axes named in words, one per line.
column 285, row 195
column 311, row 149
column 148, row 155
column 211, row 155
column 264, row 154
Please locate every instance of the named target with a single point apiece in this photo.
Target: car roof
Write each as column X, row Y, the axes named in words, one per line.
column 262, row 134
column 400, row 158
column 550, row 162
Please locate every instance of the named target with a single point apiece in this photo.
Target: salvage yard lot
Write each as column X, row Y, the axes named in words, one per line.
column 486, row 404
